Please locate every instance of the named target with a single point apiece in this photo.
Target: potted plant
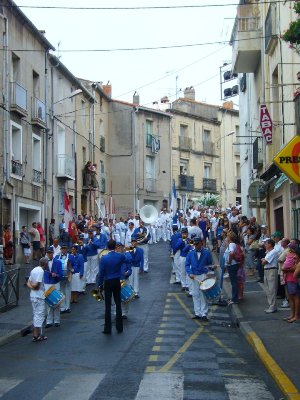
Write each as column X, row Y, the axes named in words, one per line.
column 292, row 34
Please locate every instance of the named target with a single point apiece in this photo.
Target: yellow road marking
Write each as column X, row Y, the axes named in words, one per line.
column 164, row 319
column 219, row 343
column 163, row 325
column 182, row 349
column 158, row 340
column 153, row 357
column 156, row 348
column 241, row 375
column 285, row 384
column 150, row 369
column 161, row 332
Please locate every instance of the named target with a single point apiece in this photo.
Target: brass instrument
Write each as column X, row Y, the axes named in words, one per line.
column 129, row 249
column 97, row 294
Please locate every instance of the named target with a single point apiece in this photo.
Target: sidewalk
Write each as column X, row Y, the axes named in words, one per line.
column 275, row 341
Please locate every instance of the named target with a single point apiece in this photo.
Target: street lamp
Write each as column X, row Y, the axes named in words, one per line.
column 72, row 94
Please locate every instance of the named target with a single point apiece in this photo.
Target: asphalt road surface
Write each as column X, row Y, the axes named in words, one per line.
column 162, row 354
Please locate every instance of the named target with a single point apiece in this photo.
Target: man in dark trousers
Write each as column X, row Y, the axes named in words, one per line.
column 109, row 278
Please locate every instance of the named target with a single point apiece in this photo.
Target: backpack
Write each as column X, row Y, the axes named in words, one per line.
column 239, row 254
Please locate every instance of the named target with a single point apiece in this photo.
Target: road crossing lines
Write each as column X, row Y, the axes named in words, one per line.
column 7, row 384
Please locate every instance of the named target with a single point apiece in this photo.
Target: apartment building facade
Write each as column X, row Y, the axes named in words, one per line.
column 267, row 70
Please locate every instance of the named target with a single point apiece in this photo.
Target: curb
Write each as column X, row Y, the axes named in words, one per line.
column 282, row 380
column 15, row 334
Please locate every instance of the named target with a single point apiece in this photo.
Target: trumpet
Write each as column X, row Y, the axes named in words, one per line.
column 97, row 294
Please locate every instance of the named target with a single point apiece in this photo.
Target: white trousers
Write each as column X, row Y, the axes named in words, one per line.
column 92, row 268
column 134, row 279
column 183, row 273
column 177, row 266
column 145, row 247
column 199, row 300
column 65, row 288
column 39, row 311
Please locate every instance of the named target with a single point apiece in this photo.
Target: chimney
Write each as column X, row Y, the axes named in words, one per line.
column 228, row 105
column 136, row 99
column 107, row 90
column 189, row 93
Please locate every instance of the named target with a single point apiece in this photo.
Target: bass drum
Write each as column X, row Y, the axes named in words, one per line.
column 103, row 253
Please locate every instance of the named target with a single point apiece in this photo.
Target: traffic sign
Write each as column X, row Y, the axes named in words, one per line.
column 288, row 159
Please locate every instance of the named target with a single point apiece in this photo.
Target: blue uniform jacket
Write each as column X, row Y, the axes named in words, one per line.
column 91, row 248
column 138, row 230
column 174, row 239
column 185, row 250
column 101, row 242
column 77, row 263
column 57, row 269
column 81, row 250
column 137, row 258
column 194, row 266
column 110, row 266
column 179, row 244
column 126, row 267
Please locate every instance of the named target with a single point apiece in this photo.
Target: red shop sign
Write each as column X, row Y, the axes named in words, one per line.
column 266, row 123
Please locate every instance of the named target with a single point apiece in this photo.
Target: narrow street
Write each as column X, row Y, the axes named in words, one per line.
column 162, row 354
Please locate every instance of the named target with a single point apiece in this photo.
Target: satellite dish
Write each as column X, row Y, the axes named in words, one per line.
column 256, row 191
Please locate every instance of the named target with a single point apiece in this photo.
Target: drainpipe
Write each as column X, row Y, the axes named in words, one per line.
column 46, row 154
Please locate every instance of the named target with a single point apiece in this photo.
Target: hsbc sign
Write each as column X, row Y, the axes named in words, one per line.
column 266, row 123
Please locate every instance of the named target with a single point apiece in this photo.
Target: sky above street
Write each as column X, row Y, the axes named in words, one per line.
column 124, row 46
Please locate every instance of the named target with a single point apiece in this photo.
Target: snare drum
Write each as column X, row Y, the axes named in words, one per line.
column 210, row 288
column 127, row 293
column 102, row 253
column 53, row 297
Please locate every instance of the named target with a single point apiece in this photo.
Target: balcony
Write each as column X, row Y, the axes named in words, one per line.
column 18, row 99
column 150, row 185
column 36, row 176
column 246, row 39
column 38, row 113
column 17, row 168
column 185, row 143
column 65, row 167
column 208, row 147
column 209, row 184
column 186, row 182
column 102, row 144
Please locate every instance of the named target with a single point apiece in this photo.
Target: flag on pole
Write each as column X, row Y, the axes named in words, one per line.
column 174, row 199
column 68, row 215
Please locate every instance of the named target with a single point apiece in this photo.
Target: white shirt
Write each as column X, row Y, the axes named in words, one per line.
column 128, row 237
column 37, row 276
column 230, row 248
column 271, row 258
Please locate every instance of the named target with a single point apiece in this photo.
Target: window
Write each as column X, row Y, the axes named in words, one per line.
column 15, row 64
column 16, row 142
column 36, row 152
column 84, row 155
column 206, row 137
column 102, row 170
column 238, row 169
column 101, row 128
column 82, row 112
column 61, row 140
column 183, row 168
column 149, row 127
column 207, row 171
column 183, row 130
column 150, row 174
column 36, row 84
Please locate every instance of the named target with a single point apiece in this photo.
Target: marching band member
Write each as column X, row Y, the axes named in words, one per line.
column 164, row 223
column 81, row 250
column 181, row 245
column 121, row 229
column 36, row 284
column 65, row 282
column 100, row 239
column 137, row 265
column 129, row 233
column 110, row 273
column 92, row 258
column 143, row 235
column 176, row 252
column 197, row 263
column 126, row 272
column 52, row 277
column 77, row 268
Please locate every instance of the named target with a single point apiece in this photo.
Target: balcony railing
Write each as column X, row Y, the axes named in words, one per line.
column 185, row 143
column 16, row 168
column 209, row 184
column 245, row 39
column 186, row 182
column 18, row 98
column 102, row 144
column 65, row 167
column 36, row 176
column 150, row 185
column 38, row 113
column 208, row 147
